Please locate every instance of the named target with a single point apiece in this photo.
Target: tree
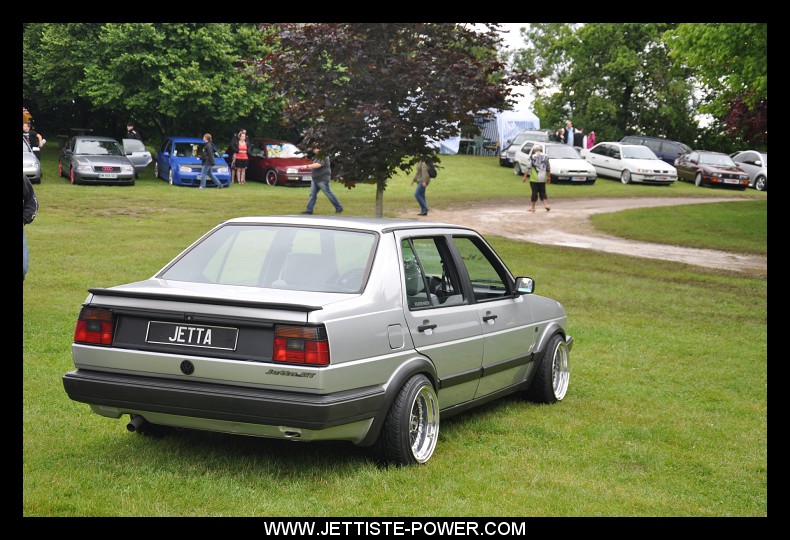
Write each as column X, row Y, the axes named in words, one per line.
column 615, row 78
column 378, row 94
column 730, row 61
column 179, row 77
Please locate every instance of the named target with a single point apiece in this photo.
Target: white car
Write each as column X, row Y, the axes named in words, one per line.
column 630, row 163
column 756, row 165
column 508, row 156
column 565, row 163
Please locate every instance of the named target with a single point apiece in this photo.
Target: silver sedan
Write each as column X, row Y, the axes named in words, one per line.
column 320, row 328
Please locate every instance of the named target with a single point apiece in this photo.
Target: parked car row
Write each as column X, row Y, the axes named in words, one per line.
column 633, row 160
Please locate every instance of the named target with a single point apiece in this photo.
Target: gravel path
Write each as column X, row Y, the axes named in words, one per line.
column 568, row 224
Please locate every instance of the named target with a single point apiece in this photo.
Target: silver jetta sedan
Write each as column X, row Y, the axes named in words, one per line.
column 321, row 328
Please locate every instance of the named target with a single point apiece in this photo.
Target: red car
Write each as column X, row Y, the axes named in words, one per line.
column 706, row 168
column 277, row 162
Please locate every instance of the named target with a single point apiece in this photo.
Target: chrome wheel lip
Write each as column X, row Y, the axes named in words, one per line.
column 560, row 371
column 424, row 424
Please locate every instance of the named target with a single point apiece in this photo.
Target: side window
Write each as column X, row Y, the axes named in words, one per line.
column 670, row 149
column 655, row 146
column 488, row 276
column 431, row 279
column 602, row 150
column 614, row 152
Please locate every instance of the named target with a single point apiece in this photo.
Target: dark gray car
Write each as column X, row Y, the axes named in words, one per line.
column 96, row 160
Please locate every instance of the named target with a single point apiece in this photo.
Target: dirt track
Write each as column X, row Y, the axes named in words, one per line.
column 568, row 224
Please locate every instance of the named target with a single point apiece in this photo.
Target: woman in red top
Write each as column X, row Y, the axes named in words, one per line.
column 241, row 159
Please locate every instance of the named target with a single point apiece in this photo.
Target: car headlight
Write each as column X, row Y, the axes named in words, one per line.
column 127, row 168
column 292, row 170
column 84, row 167
column 184, row 168
column 222, row 170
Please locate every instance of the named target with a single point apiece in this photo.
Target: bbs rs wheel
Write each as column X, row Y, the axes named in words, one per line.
column 550, row 383
column 411, row 429
column 271, row 177
column 761, row 183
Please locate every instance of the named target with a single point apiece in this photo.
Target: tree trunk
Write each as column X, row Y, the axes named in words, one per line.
column 380, row 185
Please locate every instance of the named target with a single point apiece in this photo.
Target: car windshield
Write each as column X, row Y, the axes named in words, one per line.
column 283, row 150
column 185, row 149
column 716, row 159
column 87, row 147
column 26, row 147
column 638, row 152
column 562, row 151
column 278, row 257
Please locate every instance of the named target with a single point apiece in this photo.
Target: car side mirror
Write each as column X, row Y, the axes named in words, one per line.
column 525, row 285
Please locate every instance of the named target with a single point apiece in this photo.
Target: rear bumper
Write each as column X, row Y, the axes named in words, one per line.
column 131, row 394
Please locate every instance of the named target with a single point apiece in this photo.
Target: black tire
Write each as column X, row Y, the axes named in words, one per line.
column 517, row 169
column 271, row 177
column 411, row 429
column 761, row 183
column 551, row 380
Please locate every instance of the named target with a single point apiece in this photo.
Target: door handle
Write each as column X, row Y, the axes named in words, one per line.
column 424, row 327
column 488, row 318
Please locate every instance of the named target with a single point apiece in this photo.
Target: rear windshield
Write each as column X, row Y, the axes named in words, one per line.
column 278, row 257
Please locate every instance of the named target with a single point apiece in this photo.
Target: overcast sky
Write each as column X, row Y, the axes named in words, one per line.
column 513, row 40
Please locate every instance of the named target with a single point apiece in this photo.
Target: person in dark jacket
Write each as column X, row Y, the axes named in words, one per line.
column 207, row 157
column 29, row 210
column 131, row 133
column 321, row 174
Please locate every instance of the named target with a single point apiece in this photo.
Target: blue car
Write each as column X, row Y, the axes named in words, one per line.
column 178, row 162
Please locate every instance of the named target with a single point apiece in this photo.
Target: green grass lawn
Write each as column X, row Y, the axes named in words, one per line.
column 666, row 414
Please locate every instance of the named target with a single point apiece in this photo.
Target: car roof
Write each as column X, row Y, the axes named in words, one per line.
column 93, row 138
column 360, row 223
column 186, row 139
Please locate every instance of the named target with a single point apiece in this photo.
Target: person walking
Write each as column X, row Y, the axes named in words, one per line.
column 33, row 138
column 29, row 210
column 539, row 174
column 422, row 179
column 321, row 175
column 207, row 157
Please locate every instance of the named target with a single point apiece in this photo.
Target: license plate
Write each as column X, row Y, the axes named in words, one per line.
column 578, row 178
column 731, row 181
column 107, row 175
column 192, row 335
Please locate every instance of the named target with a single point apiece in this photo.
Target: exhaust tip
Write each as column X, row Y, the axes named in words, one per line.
column 135, row 422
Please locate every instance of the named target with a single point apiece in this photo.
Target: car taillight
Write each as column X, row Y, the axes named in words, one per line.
column 94, row 326
column 301, row 345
